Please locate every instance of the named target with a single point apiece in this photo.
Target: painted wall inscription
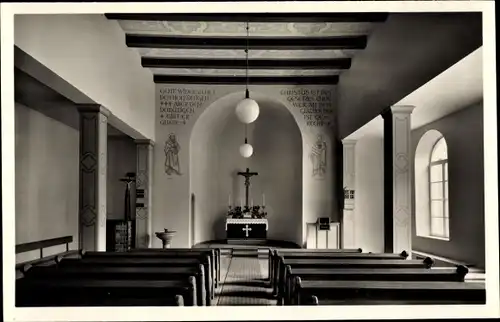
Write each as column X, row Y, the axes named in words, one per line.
column 314, row 104
column 177, row 105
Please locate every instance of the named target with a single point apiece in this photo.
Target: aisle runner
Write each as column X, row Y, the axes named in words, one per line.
column 245, row 283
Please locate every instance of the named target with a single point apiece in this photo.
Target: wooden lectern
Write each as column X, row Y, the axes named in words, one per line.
column 323, row 234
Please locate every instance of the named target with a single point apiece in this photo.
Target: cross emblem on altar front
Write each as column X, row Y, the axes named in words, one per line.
column 246, row 230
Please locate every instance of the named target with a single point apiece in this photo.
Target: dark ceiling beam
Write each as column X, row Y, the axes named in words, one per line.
column 340, row 63
column 301, row 17
column 241, row 80
column 281, row 43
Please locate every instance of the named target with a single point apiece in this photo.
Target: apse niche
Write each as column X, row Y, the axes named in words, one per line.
column 215, row 161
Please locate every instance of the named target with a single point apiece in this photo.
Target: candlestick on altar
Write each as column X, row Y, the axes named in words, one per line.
column 252, row 203
column 229, row 201
column 264, row 200
column 241, row 203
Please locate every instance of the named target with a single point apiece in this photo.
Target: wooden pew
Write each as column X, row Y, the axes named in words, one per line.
column 313, row 300
column 470, row 293
column 283, row 251
column 204, row 256
column 370, row 274
column 214, row 251
column 124, row 273
column 337, row 254
column 323, row 259
column 343, row 263
column 40, row 246
column 142, row 262
column 91, row 292
column 187, row 252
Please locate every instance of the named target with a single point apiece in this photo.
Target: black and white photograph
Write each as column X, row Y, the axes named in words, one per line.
column 332, row 159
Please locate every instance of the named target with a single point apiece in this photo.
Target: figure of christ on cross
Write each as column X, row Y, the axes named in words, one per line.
column 246, row 230
column 247, row 174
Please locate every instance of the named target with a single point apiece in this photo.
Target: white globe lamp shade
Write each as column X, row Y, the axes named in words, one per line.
column 247, row 110
column 246, row 150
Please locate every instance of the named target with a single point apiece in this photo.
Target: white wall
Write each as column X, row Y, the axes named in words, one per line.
column 369, row 198
column 122, row 158
column 463, row 132
column 204, row 187
column 402, row 54
column 47, row 159
column 207, row 107
column 90, row 53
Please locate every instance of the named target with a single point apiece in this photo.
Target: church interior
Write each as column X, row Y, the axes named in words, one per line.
column 251, row 159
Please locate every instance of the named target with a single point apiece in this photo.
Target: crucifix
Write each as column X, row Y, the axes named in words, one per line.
column 247, row 174
column 246, row 230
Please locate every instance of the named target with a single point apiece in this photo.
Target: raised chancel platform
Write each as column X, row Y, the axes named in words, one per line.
column 246, row 249
column 269, row 243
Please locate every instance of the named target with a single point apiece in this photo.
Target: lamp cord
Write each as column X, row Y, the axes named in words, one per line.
column 247, row 94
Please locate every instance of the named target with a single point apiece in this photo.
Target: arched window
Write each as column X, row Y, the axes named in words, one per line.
column 431, row 186
column 438, row 190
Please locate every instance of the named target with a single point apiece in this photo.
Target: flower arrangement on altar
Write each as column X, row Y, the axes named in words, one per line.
column 257, row 213
column 252, row 212
column 235, row 212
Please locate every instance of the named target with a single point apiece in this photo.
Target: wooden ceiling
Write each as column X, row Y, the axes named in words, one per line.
column 295, row 48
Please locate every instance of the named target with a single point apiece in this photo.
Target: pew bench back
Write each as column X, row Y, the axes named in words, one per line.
column 313, row 300
column 389, row 290
column 52, row 292
column 216, row 253
column 164, row 262
column 365, row 274
column 277, row 259
column 207, row 257
column 125, row 273
column 347, row 263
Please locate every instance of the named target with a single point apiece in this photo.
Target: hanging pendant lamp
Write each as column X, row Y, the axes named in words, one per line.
column 246, row 150
column 247, row 110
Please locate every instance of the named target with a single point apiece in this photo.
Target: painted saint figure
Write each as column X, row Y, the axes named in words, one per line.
column 172, row 149
column 318, row 157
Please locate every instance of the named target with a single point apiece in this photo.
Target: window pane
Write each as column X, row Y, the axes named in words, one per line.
column 445, row 171
column 446, row 227
column 436, row 209
column 446, row 209
column 437, row 190
column 436, row 173
column 437, row 228
column 440, row 151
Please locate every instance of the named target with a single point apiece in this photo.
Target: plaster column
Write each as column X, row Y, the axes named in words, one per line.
column 144, row 195
column 398, row 162
column 349, row 176
column 93, row 176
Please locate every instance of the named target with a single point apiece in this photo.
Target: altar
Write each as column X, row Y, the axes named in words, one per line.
column 246, row 224
column 246, row 230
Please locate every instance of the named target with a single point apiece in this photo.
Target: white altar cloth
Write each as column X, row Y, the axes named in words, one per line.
column 246, row 221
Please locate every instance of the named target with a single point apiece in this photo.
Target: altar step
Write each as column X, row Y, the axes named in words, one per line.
column 241, row 252
column 247, row 251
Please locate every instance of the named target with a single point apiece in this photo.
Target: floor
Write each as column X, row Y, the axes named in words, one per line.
column 244, row 282
column 244, row 272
